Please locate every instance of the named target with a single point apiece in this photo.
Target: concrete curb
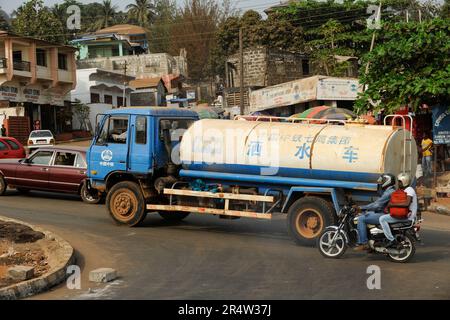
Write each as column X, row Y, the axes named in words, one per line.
column 439, row 209
column 55, row 276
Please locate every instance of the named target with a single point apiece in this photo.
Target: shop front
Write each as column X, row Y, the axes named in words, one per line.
column 42, row 108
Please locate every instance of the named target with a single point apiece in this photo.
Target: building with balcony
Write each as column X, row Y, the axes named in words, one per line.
column 115, row 41
column 35, row 79
column 101, row 90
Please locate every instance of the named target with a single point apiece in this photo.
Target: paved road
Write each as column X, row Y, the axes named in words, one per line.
column 209, row 258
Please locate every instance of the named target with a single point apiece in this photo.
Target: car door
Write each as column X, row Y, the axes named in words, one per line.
column 17, row 150
column 109, row 151
column 65, row 176
column 4, row 150
column 33, row 173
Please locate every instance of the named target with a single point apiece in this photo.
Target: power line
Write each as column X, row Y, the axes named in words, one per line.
column 304, row 20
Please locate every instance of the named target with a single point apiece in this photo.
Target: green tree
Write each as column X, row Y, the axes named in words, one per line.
column 445, row 9
column 193, row 29
column 411, row 65
column 60, row 12
column 142, row 12
column 82, row 112
column 107, row 12
column 34, row 20
column 165, row 11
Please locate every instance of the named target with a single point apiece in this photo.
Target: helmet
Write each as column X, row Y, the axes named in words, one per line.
column 386, row 180
column 404, row 180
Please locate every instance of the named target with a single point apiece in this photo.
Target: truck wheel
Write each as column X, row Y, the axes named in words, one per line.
column 126, row 204
column 3, row 186
column 174, row 216
column 307, row 219
column 87, row 197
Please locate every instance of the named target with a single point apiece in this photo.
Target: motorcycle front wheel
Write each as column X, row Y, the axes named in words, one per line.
column 331, row 244
column 406, row 252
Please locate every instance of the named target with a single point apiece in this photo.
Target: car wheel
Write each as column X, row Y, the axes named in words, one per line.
column 87, row 197
column 3, row 186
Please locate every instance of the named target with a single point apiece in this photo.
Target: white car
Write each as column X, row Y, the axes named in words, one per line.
column 40, row 138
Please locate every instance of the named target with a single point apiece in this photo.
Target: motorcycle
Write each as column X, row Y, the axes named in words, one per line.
column 335, row 240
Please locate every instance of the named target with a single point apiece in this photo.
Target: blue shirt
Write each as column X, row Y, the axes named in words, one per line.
column 381, row 203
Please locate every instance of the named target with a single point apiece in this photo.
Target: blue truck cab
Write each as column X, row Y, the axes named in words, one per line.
column 129, row 144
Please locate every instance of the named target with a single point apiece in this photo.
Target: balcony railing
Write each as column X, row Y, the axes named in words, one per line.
column 3, row 63
column 21, row 65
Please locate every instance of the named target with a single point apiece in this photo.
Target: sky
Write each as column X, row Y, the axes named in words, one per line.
column 259, row 5
column 244, row 5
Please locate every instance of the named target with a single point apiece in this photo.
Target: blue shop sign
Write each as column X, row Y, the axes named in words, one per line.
column 441, row 124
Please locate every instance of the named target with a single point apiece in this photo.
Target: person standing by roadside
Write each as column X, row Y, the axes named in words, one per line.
column 427, row 154
column 3, row 131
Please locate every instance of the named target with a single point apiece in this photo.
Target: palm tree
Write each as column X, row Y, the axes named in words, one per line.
column 107, row 13
column 59, row 11
column 143, row 12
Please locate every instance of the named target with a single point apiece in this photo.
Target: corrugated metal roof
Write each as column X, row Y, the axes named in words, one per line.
column 145, row 83
column 123, row 29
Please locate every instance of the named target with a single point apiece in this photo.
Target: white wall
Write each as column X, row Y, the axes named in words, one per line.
column 83, row 91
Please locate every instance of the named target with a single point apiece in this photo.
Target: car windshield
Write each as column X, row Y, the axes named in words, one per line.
column 41, row 134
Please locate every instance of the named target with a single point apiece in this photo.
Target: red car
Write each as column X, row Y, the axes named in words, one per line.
column 48, row 169
column 10, row 148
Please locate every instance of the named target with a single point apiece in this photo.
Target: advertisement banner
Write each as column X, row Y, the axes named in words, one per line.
column 338, row 89
column 284, row 94
column 441, row 124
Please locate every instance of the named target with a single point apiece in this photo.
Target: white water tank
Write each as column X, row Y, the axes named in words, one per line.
column 350, row 152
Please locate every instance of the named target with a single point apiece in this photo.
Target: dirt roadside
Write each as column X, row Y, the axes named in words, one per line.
column 22, row 246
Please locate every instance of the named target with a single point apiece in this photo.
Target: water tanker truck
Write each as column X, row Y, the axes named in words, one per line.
column 168, row 161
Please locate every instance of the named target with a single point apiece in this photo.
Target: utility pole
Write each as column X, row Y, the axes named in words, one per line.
column 420, row 16
column 125, row 67
column 372, row 44
column 241, row 74
column 407, row 16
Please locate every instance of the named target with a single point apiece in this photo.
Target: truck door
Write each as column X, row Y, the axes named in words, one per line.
column 140, row 147
column 109, row 151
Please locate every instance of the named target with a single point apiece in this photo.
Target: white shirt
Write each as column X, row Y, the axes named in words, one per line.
column 413, row 206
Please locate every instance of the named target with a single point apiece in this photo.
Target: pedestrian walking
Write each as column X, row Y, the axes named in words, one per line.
column 3, row 131
column 427, row 154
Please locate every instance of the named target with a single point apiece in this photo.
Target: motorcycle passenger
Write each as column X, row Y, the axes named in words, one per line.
column 374, row 210
column 404, row 182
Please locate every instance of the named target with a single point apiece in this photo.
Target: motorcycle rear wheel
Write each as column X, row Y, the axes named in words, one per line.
column 408, row 251
column 326, row 247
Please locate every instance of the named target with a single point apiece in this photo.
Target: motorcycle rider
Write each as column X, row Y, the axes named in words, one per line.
column 404, row 183
column 374, row 210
